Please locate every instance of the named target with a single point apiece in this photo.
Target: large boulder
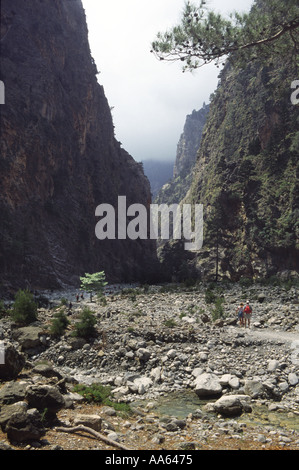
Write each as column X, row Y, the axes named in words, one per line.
column 12, row 392
column 13, row 362
column 25, row 426
column 254, row 388
column 143, row 384
column 28, row 337
column 207, row 385
column 44, row 397
column 232, row 405
column 46, row 370
column 7, row 411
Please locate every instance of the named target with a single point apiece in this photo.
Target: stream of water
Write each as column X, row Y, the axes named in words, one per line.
column 180, row 405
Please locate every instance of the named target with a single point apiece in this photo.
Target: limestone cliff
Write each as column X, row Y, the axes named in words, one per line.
column 190, row 141
column 246, row 175
column 187, row 148
column 59, row 155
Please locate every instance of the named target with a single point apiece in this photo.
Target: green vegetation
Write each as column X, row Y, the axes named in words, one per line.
column 93, row 283
column 203, row 36
column 85, row 328
column 170, row 323
column 249, row 185
column 59, row 323
column 3, row 310
column 246, row 172
column 98, row 393
column 24, row 310
column 218, row 311
column 210, row 296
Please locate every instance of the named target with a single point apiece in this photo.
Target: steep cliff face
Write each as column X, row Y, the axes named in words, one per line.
column 59, row 156
column 190, row 141
column 187, row 148
column 246, row 174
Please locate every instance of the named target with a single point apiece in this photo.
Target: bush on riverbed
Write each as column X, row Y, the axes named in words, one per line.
column 98, row 393
column 59, row 324
column 24, row 310
column 85, row 328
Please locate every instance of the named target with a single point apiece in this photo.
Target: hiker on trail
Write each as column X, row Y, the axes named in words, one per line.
column 240, row 311
column 247, row 313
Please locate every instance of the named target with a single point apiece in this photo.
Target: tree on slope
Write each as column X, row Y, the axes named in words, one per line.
column 203, row 36
column 93, row 283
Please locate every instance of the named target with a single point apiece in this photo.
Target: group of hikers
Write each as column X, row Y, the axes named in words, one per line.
column 244, row 314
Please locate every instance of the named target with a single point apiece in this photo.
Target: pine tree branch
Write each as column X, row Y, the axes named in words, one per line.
column 289, row 27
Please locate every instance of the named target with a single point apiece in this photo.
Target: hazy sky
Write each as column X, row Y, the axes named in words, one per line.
column 150, row 99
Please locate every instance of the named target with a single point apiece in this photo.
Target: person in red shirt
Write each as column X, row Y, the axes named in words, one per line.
column 247, row 314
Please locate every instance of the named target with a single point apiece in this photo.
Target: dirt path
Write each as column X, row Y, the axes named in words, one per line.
column 284, row 336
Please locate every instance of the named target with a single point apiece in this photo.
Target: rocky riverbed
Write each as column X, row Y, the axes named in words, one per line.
column 193, row 380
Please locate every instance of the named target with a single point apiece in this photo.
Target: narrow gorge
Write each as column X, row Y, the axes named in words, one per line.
column 59, row 155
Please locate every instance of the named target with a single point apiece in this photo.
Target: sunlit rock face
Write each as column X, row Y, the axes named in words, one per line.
column 59, row 155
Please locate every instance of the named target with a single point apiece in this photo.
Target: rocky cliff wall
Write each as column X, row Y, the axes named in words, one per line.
column 187, row 148
column 246, row 174
column 189, row 142
column 59, row 156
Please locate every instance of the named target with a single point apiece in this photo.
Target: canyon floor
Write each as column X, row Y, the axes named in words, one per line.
column 153, row 344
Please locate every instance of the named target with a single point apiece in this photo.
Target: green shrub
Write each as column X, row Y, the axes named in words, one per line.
column 59, row 323
column 210, row 296
column 86, row 326
column 246, row 282
column 218, row 310
column 24, row 310
column 170, row 323
column 98, row 393
column 3, row 310
column 190, row 282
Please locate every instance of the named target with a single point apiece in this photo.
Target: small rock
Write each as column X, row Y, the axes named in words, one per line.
column 272, row 365
column 113, row 436
column 91, row 421
column 293, row 379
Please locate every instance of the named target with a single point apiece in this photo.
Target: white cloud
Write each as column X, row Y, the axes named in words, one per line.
column 150, row 99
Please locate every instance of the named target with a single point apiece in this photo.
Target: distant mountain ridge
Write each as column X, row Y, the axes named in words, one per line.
column 158, row 173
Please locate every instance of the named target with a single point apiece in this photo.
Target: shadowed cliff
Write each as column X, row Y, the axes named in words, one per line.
column 59, row 155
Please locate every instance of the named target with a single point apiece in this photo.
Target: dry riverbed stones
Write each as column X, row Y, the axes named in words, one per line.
column 155, row 343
